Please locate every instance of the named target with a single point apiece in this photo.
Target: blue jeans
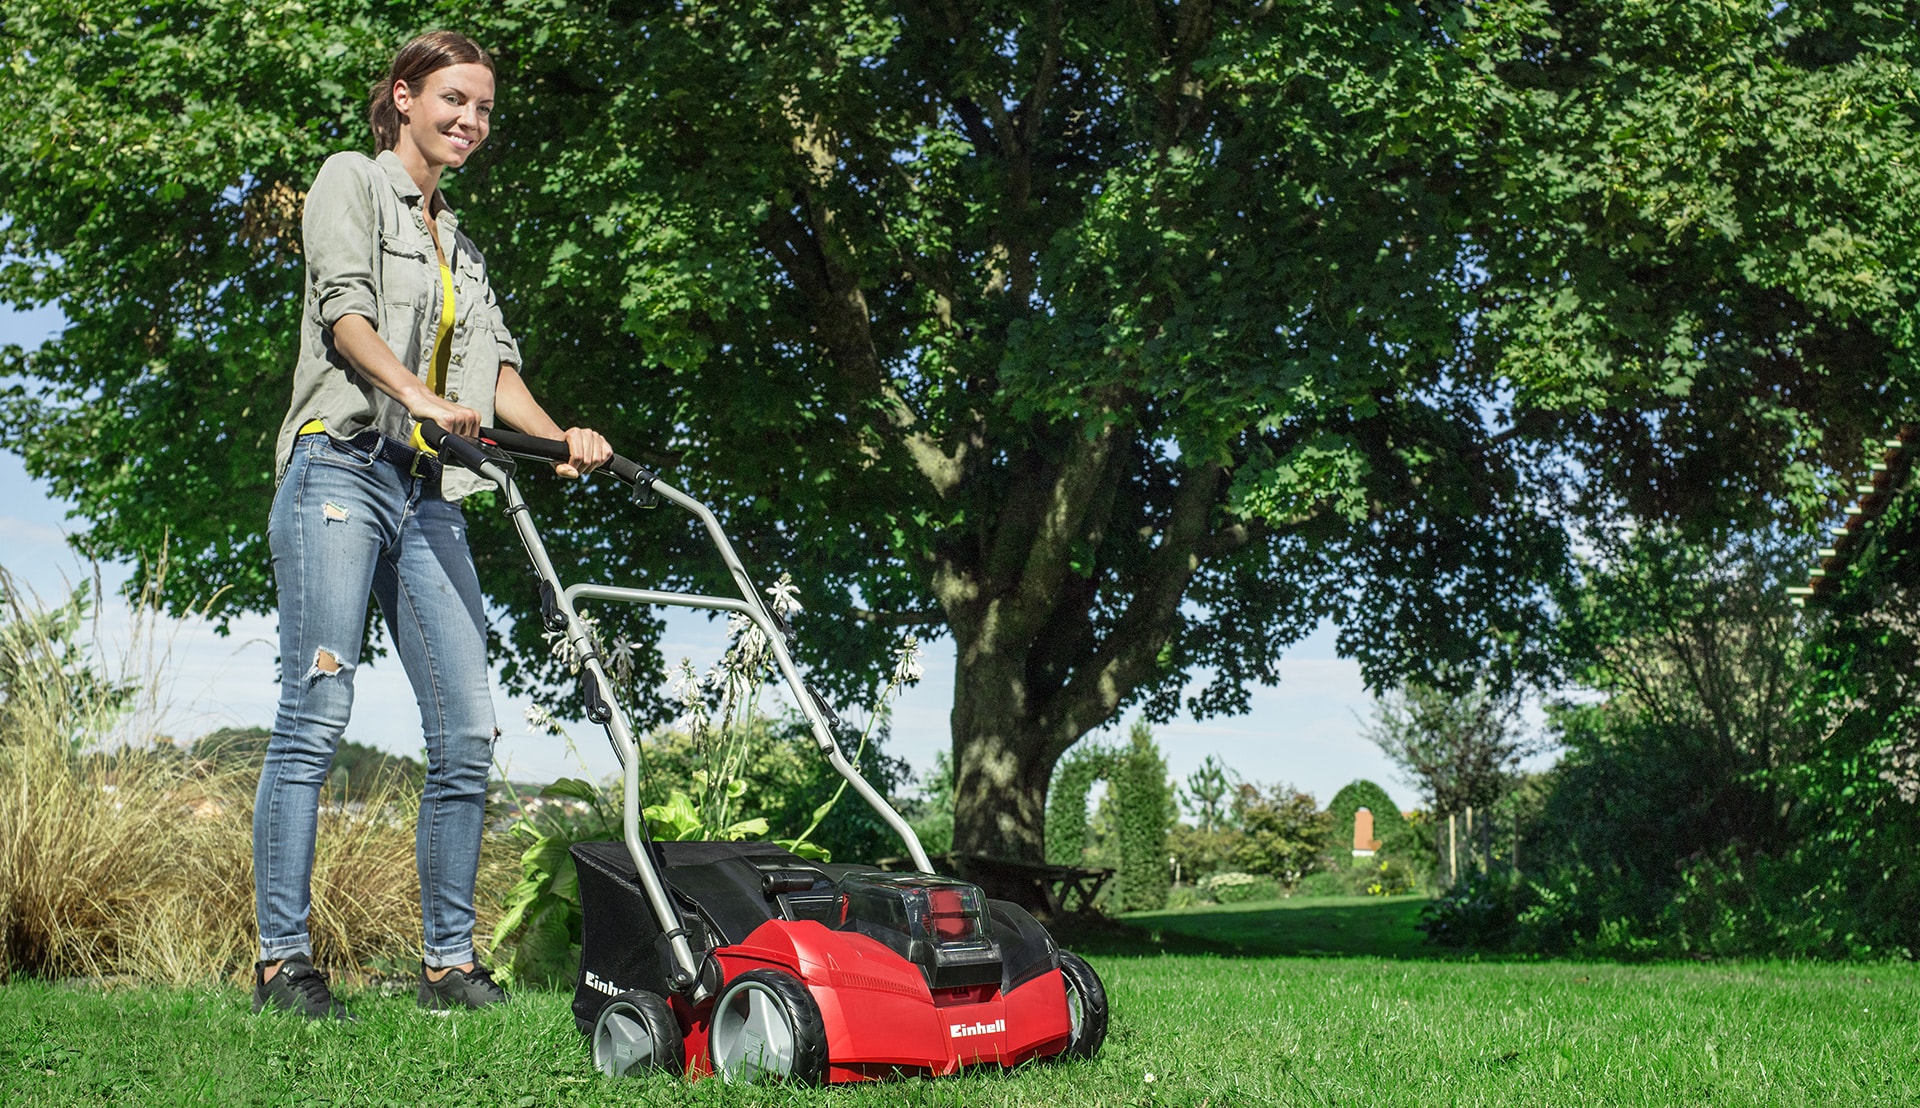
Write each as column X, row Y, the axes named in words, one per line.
column 350, row 519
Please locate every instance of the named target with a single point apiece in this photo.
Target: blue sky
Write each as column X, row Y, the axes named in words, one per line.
column 1305, row 731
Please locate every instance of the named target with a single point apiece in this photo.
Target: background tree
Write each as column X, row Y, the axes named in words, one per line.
column 1121, row 342
column 1462, row 749
column 1141, row 797
column 1202, row 849
column 1207, row 794
column 1282, row 832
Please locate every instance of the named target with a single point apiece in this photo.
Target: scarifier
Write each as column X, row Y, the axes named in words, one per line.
column 744, row 960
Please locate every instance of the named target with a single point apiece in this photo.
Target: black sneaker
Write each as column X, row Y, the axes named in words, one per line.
column 298, row 987
column 474, row 988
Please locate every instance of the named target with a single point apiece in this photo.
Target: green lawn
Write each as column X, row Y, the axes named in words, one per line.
column 1328, row 925
column 1193, row 1024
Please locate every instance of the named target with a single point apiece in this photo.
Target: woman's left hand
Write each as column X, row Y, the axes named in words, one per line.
column 587, row 450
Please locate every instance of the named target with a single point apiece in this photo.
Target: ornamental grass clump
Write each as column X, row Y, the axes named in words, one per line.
column 122, row 855
column 82, row 837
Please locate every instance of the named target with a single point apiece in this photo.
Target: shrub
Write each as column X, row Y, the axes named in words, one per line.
column 775, row 791
column 1282, row 832
column 931, row 813
column 1391, row 877
column 781, row 778
column 1332, row 882
column 1067, row 830
column 1387, row 821
column 1234, row 887
column 1197, row 853
column 537, row 940
column 1479, row 911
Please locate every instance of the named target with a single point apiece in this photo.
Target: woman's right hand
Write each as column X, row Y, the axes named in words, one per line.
column 453, row 418
column 368, row 353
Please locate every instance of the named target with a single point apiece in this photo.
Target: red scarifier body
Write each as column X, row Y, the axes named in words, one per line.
column 882, row 1020
column 822, row 973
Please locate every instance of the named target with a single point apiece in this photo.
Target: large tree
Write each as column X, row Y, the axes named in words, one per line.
column 1121, row 341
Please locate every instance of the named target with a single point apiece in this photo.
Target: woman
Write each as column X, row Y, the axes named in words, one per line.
column 400, row 326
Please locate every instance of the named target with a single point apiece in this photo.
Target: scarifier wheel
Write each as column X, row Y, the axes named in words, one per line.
column 766, row 1027
column 636, row 1032
column 1087, row 1004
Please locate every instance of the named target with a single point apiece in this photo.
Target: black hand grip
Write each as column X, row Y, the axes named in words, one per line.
column 555, row 450
column 462, row 451
column 527, row 446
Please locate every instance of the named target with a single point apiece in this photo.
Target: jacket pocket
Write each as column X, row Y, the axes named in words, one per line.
column 405, row 266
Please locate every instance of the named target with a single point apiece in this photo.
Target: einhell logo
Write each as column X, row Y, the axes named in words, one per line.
column 602, row 985
column 969, row 1030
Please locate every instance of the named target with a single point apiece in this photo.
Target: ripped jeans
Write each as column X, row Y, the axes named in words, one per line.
column 349, row 520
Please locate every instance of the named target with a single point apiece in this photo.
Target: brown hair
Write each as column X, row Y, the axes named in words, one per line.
column 426, row 54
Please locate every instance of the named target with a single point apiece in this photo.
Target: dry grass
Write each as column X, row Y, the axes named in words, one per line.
column 121, row 856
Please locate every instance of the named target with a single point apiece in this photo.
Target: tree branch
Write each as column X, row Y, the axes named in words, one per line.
column 1068, row 500
column 840, row 306
column 926, row 618
column 1130, row 652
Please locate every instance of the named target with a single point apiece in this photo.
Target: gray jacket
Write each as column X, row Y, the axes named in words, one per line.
column 369, row 254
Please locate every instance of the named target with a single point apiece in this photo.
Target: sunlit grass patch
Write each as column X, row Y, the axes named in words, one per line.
column 1187, row 1030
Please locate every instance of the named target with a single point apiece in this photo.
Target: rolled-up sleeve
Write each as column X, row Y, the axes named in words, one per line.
column 341, row 239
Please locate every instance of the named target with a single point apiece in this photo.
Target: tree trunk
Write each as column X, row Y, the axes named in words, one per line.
column 1034, row 670
column 1000, row 780
column 1453, row 854
column 1000, row 775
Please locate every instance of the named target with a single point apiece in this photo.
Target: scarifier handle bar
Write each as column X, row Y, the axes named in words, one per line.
column 473, row 457
column 555, row 450
column 647, row 490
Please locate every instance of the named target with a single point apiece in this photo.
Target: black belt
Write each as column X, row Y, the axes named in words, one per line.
column 381, row 448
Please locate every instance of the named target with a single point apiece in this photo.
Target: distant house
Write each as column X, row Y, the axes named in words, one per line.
column 1364, row 844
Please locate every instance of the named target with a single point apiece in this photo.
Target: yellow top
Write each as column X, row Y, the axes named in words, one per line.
column 442, row 340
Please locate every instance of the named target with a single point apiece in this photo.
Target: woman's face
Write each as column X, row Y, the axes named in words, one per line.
column 448, row 116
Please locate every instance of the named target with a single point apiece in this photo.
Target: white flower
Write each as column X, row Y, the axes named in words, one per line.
column 562, row 648
column 786, row 595
column 749, row 650
column 685, row 683
column 561, row 644
column 622, row 659
column 688, row 689
column 543, row 719
column 906, row 663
